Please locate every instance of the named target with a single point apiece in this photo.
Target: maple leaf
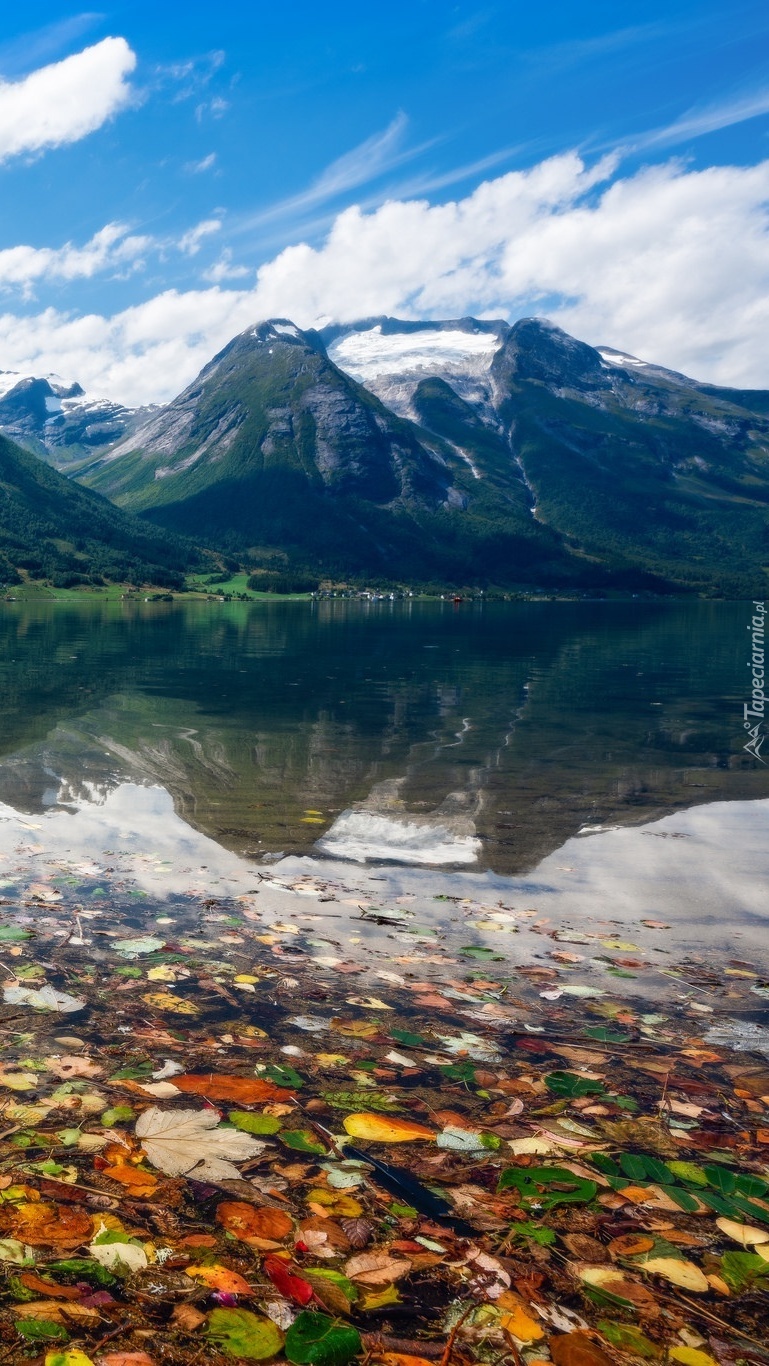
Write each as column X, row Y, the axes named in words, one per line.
column 176, row 1141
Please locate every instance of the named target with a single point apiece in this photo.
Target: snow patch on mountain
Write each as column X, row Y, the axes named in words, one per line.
column 392, row 364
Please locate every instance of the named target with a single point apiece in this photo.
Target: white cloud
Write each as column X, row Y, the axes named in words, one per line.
column 65, row 101
column 708, row 119
column 366, row 162
column 667, row 262
column 205, row 164
column 113, row 247
column 190, row 242
column 225, row 269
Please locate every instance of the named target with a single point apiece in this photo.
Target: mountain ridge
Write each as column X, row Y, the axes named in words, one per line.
column 468, row 451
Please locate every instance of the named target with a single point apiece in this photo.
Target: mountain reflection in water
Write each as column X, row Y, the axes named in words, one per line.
column 485, row 736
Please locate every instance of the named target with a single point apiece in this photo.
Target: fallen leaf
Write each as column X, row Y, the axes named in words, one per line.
column 239, row 1333
column 678, row 1271
column 576, row 1349
column 248, row 1221
column 175, row 1141
column 376, row 1268
column 379, row 1129
column 247, row 1090
column 220, row 1278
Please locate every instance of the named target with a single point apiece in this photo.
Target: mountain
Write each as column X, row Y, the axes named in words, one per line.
column 465, row 451
column 276, row 452
column 52, row 528
column 56, row 419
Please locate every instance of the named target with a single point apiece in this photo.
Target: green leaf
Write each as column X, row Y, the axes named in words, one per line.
column 403, row 1036
column 403, row 1211
column 721, row 1179
column 684, row 1199
column 570, row 1085
column 361, row 1100
column 629, row 1339
column 459, row 1071
column 603, row 1034
column 317, row 1340
column 284, row 1076
column 239, row 1333
column 40, row 1330
column 254, row 1123
column 536, row 1232
column 633, row 1167
column 336, row 1278
column 136, row 1070
column 302, row 1141
column 658, row 1171
column 13, row 933
column 117, row 1114
column 688, row 1171
column 605, row 1164
column 516, row 1178
column 742, row 1270
column 751, row 1185
column 85, row 1268
column 479, row 951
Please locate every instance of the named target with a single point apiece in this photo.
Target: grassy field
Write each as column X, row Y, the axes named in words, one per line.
column 197, row 587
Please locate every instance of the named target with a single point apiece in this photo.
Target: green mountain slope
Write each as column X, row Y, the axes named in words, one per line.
column 53, row 528
column 637, row 466
column 276, row 452
column 461, row 452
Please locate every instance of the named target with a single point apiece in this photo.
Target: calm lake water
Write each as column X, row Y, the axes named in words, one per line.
column 478, row 735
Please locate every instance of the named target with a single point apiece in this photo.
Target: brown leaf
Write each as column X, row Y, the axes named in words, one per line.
column 187, row 1318
column 376, row 1268
column 576, row 1349
column 41, row 1287
column 358, row 1231
column 631, row 1245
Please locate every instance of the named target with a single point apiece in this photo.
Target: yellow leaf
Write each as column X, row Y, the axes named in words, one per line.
column 163, row 1000
column 742, row 1233
column 162, row 973
column 691, row 1356
column 378, row 1299
column 517, row 1321
column 380, row 1129
column 346, row 1206
column 72, row 1357
column 18, row 1081
column 678, row 1272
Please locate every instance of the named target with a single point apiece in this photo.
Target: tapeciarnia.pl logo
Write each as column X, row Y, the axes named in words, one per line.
column 753, row 711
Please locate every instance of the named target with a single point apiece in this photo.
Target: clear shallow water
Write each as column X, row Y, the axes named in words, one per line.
column 477, row 736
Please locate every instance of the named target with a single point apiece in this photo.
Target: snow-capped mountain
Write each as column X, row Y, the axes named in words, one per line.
column 392, row 357
column 56, row 419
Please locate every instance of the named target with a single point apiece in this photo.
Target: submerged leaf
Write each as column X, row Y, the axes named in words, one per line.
column 316, row 1340
column 175, row 1141
column 239, row 1333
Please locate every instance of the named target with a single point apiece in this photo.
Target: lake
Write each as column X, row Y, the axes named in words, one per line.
column 566, row 770
column 471, row 734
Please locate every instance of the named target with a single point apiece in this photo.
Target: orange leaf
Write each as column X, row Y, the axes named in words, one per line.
column 381, row 1129
column 41, row 1287
column 220, row 1278
column 247, row 1090
column 631, row 1245
column 138, row 1182
column 245, row 1221
column 401, row 1359
column 41, row 1225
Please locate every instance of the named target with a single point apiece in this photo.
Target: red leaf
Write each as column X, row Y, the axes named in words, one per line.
column 287, row 1282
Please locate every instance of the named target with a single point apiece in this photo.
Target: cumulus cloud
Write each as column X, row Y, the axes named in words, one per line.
column 65, row 101
column 113, row 247
column 667, row 262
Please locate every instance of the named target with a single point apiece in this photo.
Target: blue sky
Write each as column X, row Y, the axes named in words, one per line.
column 156, row 173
